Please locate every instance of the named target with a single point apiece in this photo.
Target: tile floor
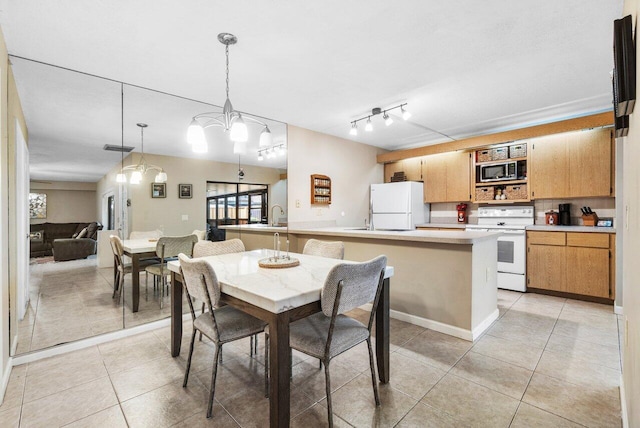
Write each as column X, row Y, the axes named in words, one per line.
column 72, row 300
column 546, row 362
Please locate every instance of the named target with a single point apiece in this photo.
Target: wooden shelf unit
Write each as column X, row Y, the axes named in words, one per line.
column 503, row 185
column 320, row 189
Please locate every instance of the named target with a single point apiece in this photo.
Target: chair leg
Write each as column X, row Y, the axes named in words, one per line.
column 162, row 284
column 251, row 346
column 255, row 345
column 146, row 282
column 186, row 373
column 213, row 382
column 202, row 313
column 116, row 284
column 220, row 354
column 373, row 373
column 328, row 388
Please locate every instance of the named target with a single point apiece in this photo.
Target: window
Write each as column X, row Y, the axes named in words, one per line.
column 235, row 203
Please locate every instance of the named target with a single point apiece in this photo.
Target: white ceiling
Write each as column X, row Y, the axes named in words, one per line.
column 464, row 68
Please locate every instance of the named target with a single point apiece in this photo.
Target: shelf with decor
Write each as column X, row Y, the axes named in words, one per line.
column 320, row 189
column 500, row 174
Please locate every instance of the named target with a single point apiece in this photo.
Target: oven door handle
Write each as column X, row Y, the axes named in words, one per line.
column 513, row 232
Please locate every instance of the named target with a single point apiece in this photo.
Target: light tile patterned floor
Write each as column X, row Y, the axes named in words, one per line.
column 547, row 362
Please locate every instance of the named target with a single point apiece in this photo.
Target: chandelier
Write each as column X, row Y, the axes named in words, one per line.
column 230, row 120
column 387, row 119
column 137, row 171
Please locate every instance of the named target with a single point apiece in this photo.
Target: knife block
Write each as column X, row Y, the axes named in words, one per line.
column 589, row 219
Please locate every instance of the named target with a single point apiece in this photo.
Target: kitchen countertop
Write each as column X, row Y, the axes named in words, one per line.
column 443, row 225
column 556, row 228
column 436, row 236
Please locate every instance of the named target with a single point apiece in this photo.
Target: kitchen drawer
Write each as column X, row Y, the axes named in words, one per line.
column 546, row 238
column 593, row 240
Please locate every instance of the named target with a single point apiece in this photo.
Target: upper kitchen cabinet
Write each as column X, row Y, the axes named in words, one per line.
column 572, row 165
column 411, row 168
column 447, row 177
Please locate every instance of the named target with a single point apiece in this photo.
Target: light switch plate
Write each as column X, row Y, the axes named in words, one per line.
column 185, row 217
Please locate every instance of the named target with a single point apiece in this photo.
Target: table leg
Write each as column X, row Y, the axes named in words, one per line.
column 279, row 370
column 176, row 314
column 382, row 333
column 135, row 280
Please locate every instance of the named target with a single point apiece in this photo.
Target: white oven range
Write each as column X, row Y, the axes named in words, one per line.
column 512, row 251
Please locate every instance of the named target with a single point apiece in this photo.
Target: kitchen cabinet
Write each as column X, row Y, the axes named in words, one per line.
column 572, row 165
column 411, row 167
column 572, row 262
column 447, row 177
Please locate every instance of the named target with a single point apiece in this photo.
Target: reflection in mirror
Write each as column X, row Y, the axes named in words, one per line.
column 70, row 117
column 82, row 132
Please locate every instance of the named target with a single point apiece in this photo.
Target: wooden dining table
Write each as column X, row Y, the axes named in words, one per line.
column 278, row 297
column 137, row 249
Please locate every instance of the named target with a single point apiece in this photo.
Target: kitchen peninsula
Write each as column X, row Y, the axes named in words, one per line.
column 443, row 280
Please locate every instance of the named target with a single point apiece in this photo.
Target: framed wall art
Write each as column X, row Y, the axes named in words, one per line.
column 184, row 191
column 37, row 205
column 158, row 190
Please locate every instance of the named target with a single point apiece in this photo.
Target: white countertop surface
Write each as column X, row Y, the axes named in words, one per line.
column 556, row 228
column 275, row 290
column 139, row 245
column 435, row 236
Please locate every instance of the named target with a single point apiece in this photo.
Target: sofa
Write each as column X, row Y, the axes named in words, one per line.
column 65, row 241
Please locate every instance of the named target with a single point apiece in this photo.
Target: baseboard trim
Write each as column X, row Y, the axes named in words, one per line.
column 623, row 404
column 618, row 310
column 439, row 326
column 5, row 379
column 92, row 341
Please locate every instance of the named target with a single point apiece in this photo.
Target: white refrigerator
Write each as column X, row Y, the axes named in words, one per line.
column 398, row 206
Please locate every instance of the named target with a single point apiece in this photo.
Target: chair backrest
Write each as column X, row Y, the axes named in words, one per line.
column 332, row 250
column 208, row 248
column 171, row 246
column 360, row 284
column 146, row 234
column 201, row 234
column 118, row 250
column 200, row 280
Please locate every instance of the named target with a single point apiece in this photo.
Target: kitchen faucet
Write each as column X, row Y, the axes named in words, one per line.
column 273, row 219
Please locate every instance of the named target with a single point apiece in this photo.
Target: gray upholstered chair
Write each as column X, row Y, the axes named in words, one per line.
column 220, row 324
column 168, row 247
column 121, row 269
column 209, row 248
column 331, row 249
column 329, row 333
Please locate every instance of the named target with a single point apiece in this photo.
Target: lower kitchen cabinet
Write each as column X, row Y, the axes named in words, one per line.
column 568, row 262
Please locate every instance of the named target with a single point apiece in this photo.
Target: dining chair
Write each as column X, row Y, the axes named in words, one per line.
column 121, row 268
column 329, row 333
column 220, row 324
column 209, row 248
column 168, row 247
column 331, row 249
column 313, row 247
column 201, row 234
column 145, row 234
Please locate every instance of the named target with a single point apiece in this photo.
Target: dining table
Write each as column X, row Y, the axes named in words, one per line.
column 137, row 249
column 277, row 296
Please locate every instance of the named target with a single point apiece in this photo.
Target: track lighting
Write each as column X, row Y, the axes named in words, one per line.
column 388, row 120
column 271, row 152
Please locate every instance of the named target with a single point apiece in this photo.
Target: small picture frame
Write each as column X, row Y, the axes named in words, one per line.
column 158, row 190
column 184, row 191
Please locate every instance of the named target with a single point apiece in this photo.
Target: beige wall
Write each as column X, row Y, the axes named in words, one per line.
column 67, row 202
column 147, row 213
column 351, row 166
column 631, row 248
column 10, row 111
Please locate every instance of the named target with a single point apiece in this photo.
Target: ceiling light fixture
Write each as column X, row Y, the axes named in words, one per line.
column 388, row 120
column 229, row 119
column 141, row 168
column 271, row 152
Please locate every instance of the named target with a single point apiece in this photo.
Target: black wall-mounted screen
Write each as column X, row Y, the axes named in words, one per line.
column 624, row 73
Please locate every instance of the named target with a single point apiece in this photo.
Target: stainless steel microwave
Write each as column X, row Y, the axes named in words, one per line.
column 499, row 171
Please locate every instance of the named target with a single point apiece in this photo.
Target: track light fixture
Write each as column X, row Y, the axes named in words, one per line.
column 272, row 152
column 388, row 120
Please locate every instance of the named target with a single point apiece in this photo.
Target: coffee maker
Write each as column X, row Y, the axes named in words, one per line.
column 564, row 216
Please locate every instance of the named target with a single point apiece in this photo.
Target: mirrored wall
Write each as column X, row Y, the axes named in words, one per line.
column 81, row 129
